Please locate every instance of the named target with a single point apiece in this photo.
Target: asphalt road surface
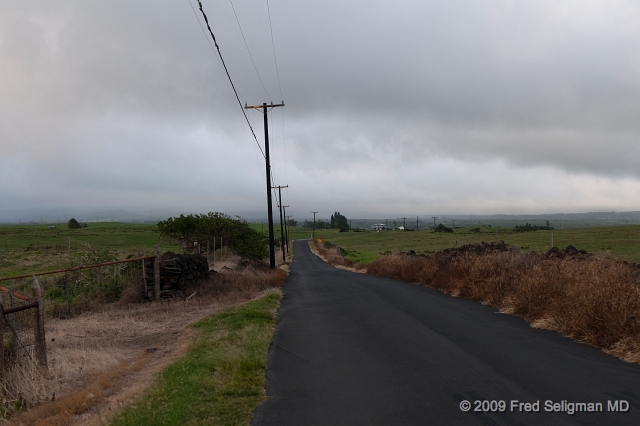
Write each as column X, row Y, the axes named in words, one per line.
column 354, row 349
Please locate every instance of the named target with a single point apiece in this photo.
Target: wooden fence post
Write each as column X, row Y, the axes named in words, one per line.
column 2, row 343
column 144, row 278
column 38, row 330
column 12, row 321
column 156, row 272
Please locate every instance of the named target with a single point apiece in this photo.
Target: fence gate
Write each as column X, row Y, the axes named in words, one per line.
column 22, row 331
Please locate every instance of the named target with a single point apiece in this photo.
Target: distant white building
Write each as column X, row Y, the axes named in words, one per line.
column 378, row 227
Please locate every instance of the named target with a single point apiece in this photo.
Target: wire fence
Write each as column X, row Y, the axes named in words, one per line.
column 22, row 329
column 58, row 293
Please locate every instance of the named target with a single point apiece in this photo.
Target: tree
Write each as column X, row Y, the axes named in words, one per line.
column 239, row 236
column 340, row 222
column 442, row 228
column 73, row 224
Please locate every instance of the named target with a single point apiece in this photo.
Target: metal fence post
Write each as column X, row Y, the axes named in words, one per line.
column 41, row 348
column 156, row 272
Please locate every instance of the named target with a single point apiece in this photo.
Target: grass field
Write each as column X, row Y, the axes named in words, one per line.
column 620, row 241
column 35, row 248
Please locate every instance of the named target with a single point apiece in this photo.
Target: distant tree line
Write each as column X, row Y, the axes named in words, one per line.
column 337, row 221
column 530, row 228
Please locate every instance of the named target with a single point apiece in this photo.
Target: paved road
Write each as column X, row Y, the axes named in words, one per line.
column 353, row 349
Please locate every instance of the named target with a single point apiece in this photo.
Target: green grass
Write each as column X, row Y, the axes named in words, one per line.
column 106, row 235
column 620, row 241
column 221, row 379
column 36, row 248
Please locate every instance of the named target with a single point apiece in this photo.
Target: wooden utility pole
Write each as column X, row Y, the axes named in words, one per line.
column 264, row 106
column 284, row 256
column 417, row 226
column 434, row 222
column 313, row 233
column 404, row 223
column 286, row 221
column 286, row 228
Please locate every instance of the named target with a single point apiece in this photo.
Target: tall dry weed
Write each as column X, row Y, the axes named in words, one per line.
column 595, row 301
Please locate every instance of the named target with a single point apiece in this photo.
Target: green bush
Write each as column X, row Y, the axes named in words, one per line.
column 239, row 236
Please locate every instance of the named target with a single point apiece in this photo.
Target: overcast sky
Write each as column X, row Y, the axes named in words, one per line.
column 392, row 107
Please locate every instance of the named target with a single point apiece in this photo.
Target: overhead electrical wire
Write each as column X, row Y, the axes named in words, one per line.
column 275, row 60
column 204, row 15
column 249, row 51
column 274, row 51
column 204, row 32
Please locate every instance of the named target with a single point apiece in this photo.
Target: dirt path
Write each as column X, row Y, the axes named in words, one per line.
column 102, row 361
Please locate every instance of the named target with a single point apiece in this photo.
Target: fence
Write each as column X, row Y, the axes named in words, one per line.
column 22, row 328
column 22, row 332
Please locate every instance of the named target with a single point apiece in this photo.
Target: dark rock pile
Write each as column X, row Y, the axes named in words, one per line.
column 480, row 248
column 176, row 271
column 568, row 252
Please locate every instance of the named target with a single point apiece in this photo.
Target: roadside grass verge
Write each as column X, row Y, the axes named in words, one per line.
column 334, row 255
column 221, row 379
column 594, row 301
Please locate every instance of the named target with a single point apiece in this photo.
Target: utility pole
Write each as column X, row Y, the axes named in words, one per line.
column 272, row 254
column 434, row 222
column 284, row 256
column 313, row 233
column 286, row 228
column 349, row 225
column 404, row 224
column 386, row 225
column 417, row 226
column 286, row 221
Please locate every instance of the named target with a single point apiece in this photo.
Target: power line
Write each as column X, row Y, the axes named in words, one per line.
column 229, row 76
column 220, row 62
column 275, row 60
column 274, row 51
column 249, row 51
column 204, row 32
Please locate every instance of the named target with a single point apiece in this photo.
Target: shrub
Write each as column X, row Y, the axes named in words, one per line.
column 240, row 237
column 442, row 228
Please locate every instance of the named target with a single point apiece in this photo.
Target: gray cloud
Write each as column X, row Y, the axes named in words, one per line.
column 124, row 103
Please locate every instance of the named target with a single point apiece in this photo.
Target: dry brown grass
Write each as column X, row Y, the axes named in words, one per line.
column 94, row 357
column 333, row 255
column 594, row 301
